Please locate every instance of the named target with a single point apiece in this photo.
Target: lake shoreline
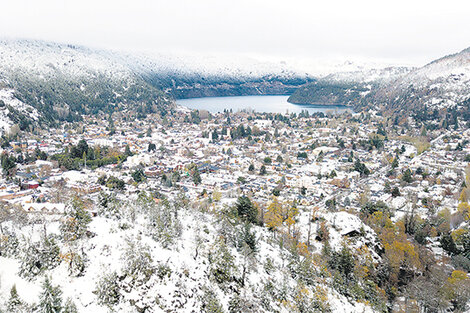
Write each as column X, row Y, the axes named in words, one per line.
column 258, row 103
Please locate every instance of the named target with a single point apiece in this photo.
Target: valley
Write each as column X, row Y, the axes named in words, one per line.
column 163, row 183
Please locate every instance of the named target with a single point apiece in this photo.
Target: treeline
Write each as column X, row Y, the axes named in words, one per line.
column 328, row 93
column 80, row 155
column 9, row 161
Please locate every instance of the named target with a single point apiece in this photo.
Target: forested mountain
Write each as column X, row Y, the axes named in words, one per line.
column 61, row 82
column 64, row 81
column 443, row 84
column 346, row 88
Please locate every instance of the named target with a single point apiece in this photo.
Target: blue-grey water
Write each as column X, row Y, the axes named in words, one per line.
column 269, row 104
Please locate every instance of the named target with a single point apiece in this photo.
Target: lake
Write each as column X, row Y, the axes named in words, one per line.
column 269, row 104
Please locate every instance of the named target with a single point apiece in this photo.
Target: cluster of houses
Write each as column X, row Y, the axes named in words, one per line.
column 302, row 161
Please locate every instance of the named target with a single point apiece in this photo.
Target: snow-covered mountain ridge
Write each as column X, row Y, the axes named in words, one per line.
column 63, row 81
column 443, row 83
column 347, row 87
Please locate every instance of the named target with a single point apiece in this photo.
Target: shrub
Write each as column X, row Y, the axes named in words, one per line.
column 138, row 262
column 138, row 175
column 107, row 290
column 163, row 270
column 115, row 183
column 460, row 262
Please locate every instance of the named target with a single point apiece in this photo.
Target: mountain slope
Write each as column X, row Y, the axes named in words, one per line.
column 346, row 88
column 169, row 258
column 189, row 76
column 64, row 81
column 443, row 83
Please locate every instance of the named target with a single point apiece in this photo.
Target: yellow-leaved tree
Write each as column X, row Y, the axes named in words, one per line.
column 457, row 290
column 273, row 216
column 279, row 214
column 464, row 209
column 216, row 195
column 290, row 212
column 399, row 251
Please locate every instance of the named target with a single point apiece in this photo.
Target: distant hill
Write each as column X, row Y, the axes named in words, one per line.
column 62, row 82
column 346, row 88
column 441, row 84
column 45, row 82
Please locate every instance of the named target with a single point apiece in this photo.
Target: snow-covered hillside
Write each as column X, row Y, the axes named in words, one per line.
column 377, row 76
column 63, row 81
column 347, row 87
column 137, row 256
column 442, row 83
column 47, row 59
column 11, row 110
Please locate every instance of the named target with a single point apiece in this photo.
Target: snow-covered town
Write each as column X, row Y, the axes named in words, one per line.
column 308, row 191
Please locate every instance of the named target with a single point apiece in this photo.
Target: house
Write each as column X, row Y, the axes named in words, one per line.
column 207, row 168
column 32, row 184
column 46, row 208
column 153, row 171
column 86, row 188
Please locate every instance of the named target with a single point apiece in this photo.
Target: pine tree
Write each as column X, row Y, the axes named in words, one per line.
column 197, row 177
column 107, row 290
column 70, row 307
column 14, row 303
column 127, row 151
column 387, row 187
column 395, row 192
column 39, row 256
column 215, row 135
column 246, row 210
column 50, row 298
column 210, row 302
column 152, row 147
column 111, row 128
column 77, row 219
column 407, row 176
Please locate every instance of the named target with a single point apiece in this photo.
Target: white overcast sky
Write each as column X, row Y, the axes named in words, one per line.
column 411, row 31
